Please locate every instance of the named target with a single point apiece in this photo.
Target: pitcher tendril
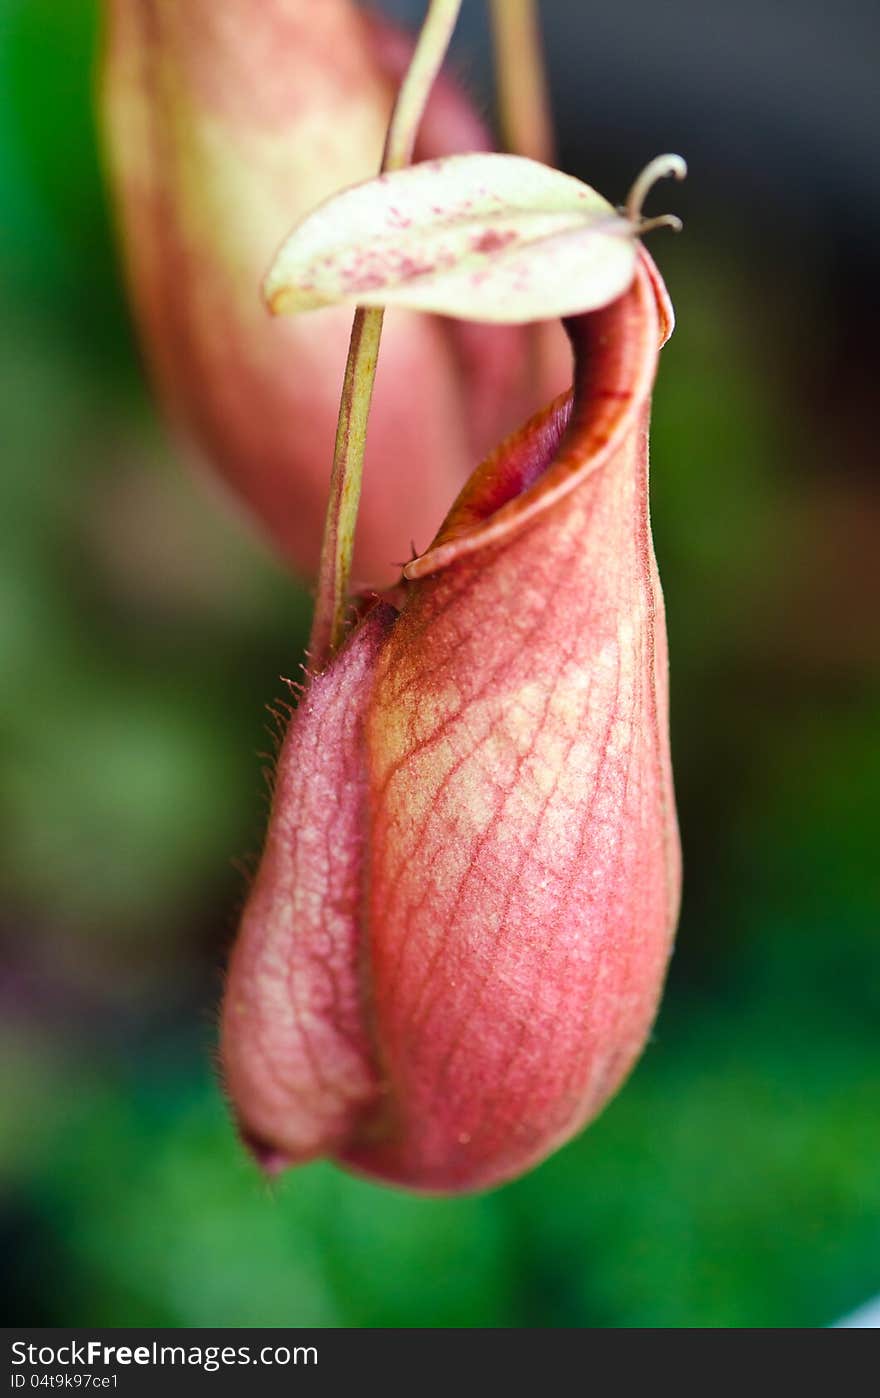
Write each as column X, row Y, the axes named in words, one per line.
column 523, row 101
column 328, row 624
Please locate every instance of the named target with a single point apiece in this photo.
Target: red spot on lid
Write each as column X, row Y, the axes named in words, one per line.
column 493, row 239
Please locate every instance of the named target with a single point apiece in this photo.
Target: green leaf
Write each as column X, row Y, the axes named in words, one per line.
column 481, row 237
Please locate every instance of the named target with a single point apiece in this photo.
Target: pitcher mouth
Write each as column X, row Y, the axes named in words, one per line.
column 615, row 358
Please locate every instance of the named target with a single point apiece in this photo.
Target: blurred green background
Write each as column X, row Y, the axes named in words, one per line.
column 735, row 1180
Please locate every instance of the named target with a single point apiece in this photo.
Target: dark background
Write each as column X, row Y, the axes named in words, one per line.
column 735, row 1180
